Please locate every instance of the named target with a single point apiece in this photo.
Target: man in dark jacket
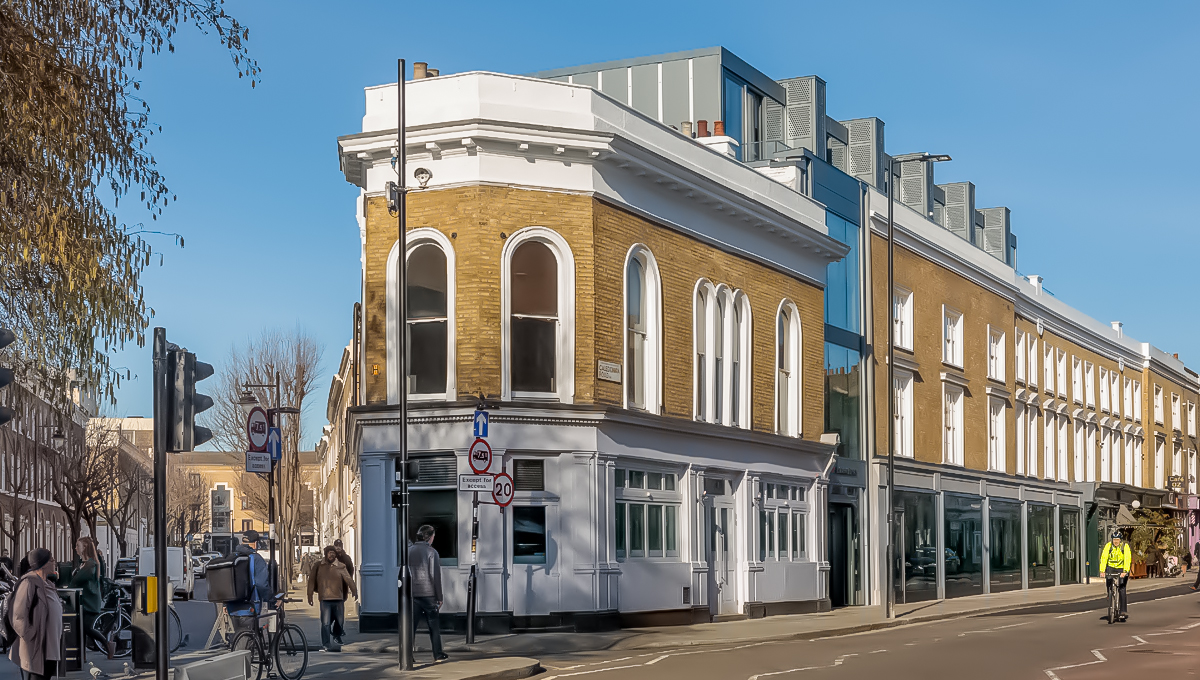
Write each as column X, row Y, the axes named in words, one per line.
column 346, row 561
column 425, row 571
column 329, row 580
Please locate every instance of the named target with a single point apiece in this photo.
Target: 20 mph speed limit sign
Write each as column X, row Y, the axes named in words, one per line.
column 502, row 489
column 480, row 456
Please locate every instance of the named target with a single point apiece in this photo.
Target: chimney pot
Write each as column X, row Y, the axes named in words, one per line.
column 702, row 128
column 718, row 128
column 1176, row 355
column 687, row 128
column 1037, row 283
column 1119, row 328
column 432, row 73
column 420, row 70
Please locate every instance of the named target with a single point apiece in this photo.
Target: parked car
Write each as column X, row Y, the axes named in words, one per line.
column 179, row 569
column 198, row 567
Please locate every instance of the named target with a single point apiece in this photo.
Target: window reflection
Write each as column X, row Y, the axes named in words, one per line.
column 843, row 385
column 534, row 317
column 1004, row 539
column 964, row 545
column 426, row 321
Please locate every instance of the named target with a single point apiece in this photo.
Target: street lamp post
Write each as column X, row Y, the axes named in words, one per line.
column 248, row 402
column 890, row 599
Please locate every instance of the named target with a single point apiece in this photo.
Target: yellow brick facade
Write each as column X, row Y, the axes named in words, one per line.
column 478, row 219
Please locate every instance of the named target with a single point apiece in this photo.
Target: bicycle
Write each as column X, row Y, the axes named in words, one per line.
column 115, row 623
column 287, row 644
column 1112, row 582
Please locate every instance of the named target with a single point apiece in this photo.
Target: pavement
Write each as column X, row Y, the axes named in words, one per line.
column 852, row 641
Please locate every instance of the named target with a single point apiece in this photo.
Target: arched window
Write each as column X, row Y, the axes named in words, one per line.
column 739, row 370
column 538, row 275
column 787, row 370
column 429, row 322
column 643, row 304
column 722, row 366
column 700, row 338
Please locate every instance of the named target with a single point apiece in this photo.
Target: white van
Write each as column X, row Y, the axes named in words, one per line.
column 179, row 569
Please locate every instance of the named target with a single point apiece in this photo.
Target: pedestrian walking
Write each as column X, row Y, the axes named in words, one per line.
column 330, row 580
column 86, row 573
column 425, row 575
column 37, row 619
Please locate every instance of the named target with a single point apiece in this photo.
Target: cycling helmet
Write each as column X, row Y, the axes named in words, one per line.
column 1117, row 534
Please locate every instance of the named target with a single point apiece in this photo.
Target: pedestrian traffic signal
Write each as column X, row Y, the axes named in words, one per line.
column 184, row 403
column 7, row 337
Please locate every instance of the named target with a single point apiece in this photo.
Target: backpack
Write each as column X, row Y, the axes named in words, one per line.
column 7, row 631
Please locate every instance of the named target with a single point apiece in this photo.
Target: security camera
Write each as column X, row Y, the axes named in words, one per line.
column 423, row 176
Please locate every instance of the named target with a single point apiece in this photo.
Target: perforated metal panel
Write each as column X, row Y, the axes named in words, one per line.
column 866, row 150
column 997, row 232
column 773, row 125
column 960, row 209
column 804, row 114
column 837, row 155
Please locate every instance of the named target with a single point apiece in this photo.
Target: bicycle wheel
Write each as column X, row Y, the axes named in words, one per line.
column 116, row 626
column 1112, row 602
column 175, row 626
column 290, row 652
column 248, row 642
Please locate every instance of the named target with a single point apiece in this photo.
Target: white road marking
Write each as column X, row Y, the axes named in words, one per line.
column 651, row 663
column 1100, row 658
column 836, row 662
column 879, row 651
column 1075, row 614
column 992, row 630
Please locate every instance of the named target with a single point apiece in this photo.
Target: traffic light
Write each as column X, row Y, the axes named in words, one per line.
column 7, row 338
column 184, row 403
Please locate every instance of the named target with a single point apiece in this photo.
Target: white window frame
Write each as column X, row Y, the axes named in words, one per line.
column 652, row 358
column 393, row 324
column 1105, row 456
column 1176, row 459
column 997, row 451
column 1114, row 392
column 1019, row 418
column 1137, row 400
column 1049, row 439
column 1115, row 447
column 1176, row 420
column 1138, row 463
column 952, row 424
column 1077, row 380
column 1128, row 398
column 1078, row 449
column 1019, row 346
column 1031, row 443
column 704, row 389
column 1191, row 418
column 952, row 337
column 1104, row 397
column 1048, row 368
column 1061, row 468
column 1031, row 371
column 1158, row 405
column 1089, row 380
column 647, row 497
column 1062, row 374
column 790, row 423
column 564, row 373
column 1128, row 441
column 1191, row 472
column 995, row 348
column 903, row 430
column 1160, row 454
column 1090, row 439
column 902, row 302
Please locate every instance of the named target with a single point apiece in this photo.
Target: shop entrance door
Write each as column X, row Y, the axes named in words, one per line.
column 721, row 556
column 843, row 555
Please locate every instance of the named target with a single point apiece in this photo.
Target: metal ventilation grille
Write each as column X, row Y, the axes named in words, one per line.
column 799, row 91
column 529, row 475
column 956, row 219
column 860, row 131
column 993, row 240
column 837, row 156
column 774, row 122
column 956, row 193
column 912, row 191
column 799, row 119
column 860, row 159
column 437, row 471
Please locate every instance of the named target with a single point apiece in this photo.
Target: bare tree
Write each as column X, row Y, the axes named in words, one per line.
column 293, row 357
column 187, row 501
column 124, row 471
column 79, row 478
column 16, row 498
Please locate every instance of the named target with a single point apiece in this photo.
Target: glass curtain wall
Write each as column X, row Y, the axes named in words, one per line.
column 963, row 534
column 1041, row 546
column 843, row 306
column 1004, row 537
column 843, row 401
column 916, row 514
column 1068, row 545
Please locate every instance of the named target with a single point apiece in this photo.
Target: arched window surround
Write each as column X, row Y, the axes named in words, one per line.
column 652, row 293
column 415, row 239
column 791, row 424
column 714, row 381
column 565, row 359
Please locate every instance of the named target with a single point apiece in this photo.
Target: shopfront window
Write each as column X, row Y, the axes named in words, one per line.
column 842, row 403
column 529, row 535
column 916, row 517
column 1068, row 546
column 843, row 306
column 964, row 545
column 1041, row 546
column 438, row 509
column 1004, row 537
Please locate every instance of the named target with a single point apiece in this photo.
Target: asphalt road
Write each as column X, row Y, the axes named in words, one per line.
column 1067, row 642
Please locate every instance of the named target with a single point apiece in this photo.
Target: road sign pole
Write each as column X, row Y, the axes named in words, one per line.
column 160, row 358
column 471, row 590
column 404, row 590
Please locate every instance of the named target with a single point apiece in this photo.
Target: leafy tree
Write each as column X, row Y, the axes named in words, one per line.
column 73, row 143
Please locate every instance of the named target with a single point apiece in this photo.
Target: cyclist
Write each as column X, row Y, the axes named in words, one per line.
column 241, row 612
column 1115, row 561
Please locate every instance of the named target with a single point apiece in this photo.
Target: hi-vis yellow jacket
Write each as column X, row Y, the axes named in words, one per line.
column 1120, row 559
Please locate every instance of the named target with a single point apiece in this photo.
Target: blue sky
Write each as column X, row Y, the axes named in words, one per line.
column 1078, row 117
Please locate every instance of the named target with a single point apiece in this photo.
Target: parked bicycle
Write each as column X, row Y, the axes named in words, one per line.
column 274, row 644
column 115, row 622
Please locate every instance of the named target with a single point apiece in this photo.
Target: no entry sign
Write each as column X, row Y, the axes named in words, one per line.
column 480, row 456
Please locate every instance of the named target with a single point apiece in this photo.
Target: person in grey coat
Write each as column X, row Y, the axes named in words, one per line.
column 425, row 570
column 37, row 619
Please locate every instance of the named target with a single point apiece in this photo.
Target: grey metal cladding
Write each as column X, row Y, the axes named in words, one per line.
column 714, row 52
column 645, row 89
column 752, row 76
column 866, row 150
column 615, row 83
column 706, row 88
column 915, row 182
column 997, row 232
column 837, row 131
column 839, row 191
column 590, row 78
column 675, row 93
column 960, row 209
column 772, row 121
column 804, row 116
